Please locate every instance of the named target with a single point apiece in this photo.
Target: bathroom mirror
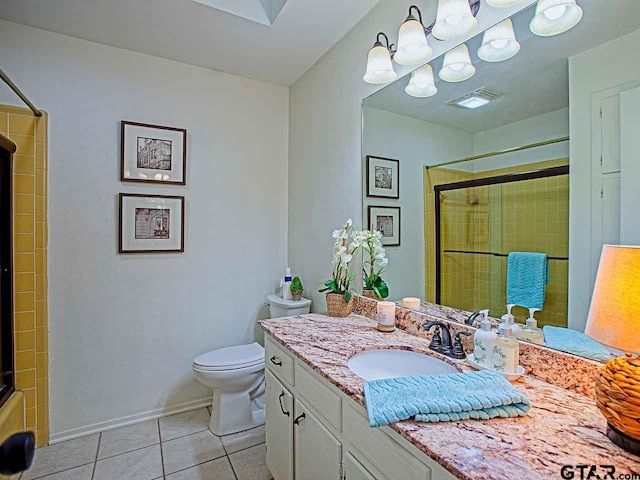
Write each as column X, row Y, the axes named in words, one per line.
column 459, row 178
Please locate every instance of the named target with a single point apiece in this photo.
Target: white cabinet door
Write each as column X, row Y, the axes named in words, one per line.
column 354, row 470
column 279, row 420
column 610, row 125
column 317, row 451
column 610, row 209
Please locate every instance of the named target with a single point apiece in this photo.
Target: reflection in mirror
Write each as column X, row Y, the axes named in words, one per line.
column 473, row 150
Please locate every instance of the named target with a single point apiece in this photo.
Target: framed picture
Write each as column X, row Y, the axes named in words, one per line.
column 387, row 221
column 383, row 177
column 153, row 154
column 151, row 223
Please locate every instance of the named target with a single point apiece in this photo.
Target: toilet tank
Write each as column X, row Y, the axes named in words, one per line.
column 279, row 307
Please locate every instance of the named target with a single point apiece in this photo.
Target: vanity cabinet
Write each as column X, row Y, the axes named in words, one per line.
column 316, row 432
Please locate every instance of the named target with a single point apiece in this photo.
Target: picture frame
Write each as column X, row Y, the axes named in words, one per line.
column 151, row 223
column 153, row 154
column 383, row 177
column 387, row 221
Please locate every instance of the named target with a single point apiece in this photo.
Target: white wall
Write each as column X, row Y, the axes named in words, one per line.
column 325, row 171
column 124, row 329
column 531, row 130
column 414, row 143
column 600, row 68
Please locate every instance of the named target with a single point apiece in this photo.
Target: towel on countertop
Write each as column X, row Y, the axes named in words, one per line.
column 574, row 342
column 527, row 278
column 443, row 398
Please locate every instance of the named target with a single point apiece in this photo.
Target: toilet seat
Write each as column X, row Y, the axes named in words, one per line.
column 231, row 358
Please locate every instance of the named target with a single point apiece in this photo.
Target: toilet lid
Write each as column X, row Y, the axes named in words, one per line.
column 238, row 356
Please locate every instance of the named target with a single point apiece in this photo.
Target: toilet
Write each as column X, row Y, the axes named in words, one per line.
column 236, row 376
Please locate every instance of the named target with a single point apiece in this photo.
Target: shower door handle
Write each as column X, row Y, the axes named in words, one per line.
column 281, row 407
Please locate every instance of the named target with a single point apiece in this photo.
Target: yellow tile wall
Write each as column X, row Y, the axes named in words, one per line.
column 30, row 264
column 525, row 216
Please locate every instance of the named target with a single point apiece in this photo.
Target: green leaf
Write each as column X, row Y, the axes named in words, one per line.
column 347, row 296
column 382, row 290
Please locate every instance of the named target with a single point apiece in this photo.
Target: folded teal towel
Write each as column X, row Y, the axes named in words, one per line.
column 443, row 398
column 527, row 278
column 574, row 342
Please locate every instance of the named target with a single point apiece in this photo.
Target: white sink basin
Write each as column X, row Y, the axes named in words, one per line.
column 377, row 364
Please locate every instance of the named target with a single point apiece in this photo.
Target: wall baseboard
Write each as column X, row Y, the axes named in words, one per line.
column 128, row 420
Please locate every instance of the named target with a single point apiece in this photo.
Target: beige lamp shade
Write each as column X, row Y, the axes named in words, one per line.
column 422, row 83
column 554, row 17
column 614, row 317
column 379, row 67
column 454, row 20
column 413, row 48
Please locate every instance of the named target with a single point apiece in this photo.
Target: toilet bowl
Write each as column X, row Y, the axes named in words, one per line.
column 236, row 375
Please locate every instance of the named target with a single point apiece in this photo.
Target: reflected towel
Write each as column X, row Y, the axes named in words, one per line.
column 527, row 278
column 443, row 398
column 574, row 342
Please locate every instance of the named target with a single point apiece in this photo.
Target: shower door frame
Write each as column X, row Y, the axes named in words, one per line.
column 482, row 182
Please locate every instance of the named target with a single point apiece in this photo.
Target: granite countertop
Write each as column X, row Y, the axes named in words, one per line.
column 562, row 428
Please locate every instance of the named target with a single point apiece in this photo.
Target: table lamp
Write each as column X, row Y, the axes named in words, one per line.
column 614, row 320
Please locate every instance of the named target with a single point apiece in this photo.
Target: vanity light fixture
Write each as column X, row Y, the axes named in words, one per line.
column 455, row 19
column 499, row 43
column 554, row 17
column 422, row 84
column 503, row 3
column 457, row 66
column 413, row 48
column 379, row 67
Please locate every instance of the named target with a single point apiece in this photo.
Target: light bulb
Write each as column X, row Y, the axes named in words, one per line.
column 554, row 13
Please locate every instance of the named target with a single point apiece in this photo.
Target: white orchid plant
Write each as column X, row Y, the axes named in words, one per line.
column 374, row 261
column 344, row 247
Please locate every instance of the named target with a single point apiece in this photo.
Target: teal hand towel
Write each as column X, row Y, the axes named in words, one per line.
column 527, row 278
column 575, row 342
column 443, row 398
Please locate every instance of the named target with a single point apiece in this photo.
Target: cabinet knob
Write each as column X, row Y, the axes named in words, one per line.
column 281, row 407
column 275, row 361
column 298, row 418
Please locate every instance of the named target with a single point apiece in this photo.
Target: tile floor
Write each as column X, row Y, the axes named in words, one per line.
column 179, row 447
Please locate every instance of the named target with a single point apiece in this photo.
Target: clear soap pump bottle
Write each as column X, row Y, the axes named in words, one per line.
column 531, row 332
column 483, row 342
column 506, row 351
column 508, row 320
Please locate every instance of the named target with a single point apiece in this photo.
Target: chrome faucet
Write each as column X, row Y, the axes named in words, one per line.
column 441, row 344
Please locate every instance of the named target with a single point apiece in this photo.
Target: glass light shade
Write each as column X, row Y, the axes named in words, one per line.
column 457, row 65
column 454, row 20
column 422, row 84
column 413, row 48
column 379, row 66
column 554, row 17
column 503, row 3
column 499, row 43
column 614, row 317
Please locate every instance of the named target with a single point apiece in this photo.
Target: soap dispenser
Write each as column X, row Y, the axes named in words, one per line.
column 483, row 343
column 506, row 351
column 508, row 320
column 531, row 332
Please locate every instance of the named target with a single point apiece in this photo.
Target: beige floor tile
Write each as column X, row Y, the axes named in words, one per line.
column 129, row 438
column 144, row 464
column 79, row 473
column 241, row 440
column 219, row 469
column 63, row 456
column 251, row 464
column 184, row 424
column 191, row 450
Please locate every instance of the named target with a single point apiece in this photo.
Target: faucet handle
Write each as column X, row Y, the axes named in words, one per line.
column 436, row 341
column 458, row 349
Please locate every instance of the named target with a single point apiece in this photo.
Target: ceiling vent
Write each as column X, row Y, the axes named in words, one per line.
column 475, row 99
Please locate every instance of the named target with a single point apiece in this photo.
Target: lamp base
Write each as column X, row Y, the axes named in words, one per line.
column 623, row 441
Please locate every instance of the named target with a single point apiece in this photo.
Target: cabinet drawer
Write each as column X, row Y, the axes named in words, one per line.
column 321, row 397
column 380, row 451
column 278, row 361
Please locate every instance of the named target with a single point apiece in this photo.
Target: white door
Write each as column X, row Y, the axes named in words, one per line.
column 630, row 140
column 354, row 470
column 317, row 451
column 279, row 423
column 610, row 125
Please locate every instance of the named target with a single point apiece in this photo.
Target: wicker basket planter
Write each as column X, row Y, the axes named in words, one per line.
column 369, row 294
column 297, row 296
column 337, row 307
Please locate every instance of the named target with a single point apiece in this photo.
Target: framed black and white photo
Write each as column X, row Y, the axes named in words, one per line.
column 387, row 221
column 383, row 177
column 153, row 154
column 151, row 223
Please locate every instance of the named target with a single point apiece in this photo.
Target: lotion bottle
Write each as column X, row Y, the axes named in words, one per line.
column 506, row 351
column 483, row 343
column 508, row 320
column 531, row 332
column 286, row 286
